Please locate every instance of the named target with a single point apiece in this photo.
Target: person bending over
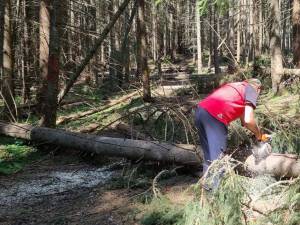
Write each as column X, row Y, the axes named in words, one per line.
column 229, row 102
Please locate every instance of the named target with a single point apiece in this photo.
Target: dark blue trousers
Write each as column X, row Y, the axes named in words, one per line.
column 212, row 134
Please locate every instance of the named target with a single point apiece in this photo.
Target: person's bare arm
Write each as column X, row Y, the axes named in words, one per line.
column 248, row 120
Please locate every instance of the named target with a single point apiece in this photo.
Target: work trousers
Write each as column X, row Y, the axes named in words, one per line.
column 212, row 134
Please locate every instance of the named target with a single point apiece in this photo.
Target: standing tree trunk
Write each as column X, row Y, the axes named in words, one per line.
column 232, row 64
column 154, row 31
column 261, row 25
column 275, row 49
column 2, row 11
column 138, row 44
column 7, row 86
column 238, row 36
column 215, row 41
column 29, row 49
column 125, row 45
column 296, row 32
column 49, row 59
column 143, row 51
column 199, row 47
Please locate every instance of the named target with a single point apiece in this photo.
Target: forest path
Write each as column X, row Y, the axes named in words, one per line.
column 65, row 190
column 172, row 79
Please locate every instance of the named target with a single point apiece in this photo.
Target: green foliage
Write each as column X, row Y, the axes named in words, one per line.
column 14, row 155
column 263, row 60
column 132, row 177
column 221, row 5
column 163, row 212
column 157, row 2
column 287, row 141
column 288, row 212
column 222, row 205
column 285, row 135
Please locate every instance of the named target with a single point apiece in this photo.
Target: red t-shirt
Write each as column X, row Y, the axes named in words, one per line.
column 228, row 102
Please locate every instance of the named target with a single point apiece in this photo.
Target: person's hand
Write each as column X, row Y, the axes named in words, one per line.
column 264, row 137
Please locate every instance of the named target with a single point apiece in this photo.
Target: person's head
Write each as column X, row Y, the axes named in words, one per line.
column 256, row 84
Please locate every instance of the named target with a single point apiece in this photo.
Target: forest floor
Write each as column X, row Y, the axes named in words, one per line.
column 68, row 187
column 64, row 188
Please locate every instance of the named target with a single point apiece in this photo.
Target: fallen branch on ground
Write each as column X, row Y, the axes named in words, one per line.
column 65, row 119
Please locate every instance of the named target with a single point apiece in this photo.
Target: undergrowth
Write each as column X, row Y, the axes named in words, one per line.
column 15, row 154
column 232, row 202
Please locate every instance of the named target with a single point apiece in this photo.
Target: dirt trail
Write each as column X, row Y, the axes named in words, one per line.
column 63, row 190
column 57, row 191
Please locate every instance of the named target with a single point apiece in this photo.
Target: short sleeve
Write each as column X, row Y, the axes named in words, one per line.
column 251, row 96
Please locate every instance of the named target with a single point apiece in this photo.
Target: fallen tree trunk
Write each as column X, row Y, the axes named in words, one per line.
column 116, row 147
column 278, row 165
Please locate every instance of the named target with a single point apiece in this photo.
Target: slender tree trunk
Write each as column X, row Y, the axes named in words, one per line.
column 255, row 29
column 7, row 87
column 238, row 36
column 210, row 39
column 2, row 12
column 296, row 33
column 154, row 31
column 49, row 62
column 260, row 40
column 231, row 41
column 27, row 48
column 138, row 45
column 144, row 63
column 44, row 46
column 199, row 47
column 125, row 44
column 275, row 48
column 112, row 82
column 165, row 38
column 216, row 42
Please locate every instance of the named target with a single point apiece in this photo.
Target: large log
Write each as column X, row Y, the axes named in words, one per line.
column 280, row 165
column 116, row 147
column 263, row 161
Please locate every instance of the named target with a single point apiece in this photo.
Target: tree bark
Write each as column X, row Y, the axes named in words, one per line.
column 154, row 31
column 2, row 12
column 238, row 36
column 216, row 41
column 78, row 70
column 143, row 51
column 115, row 147
column 49, row 59
column 279, row 165
column 199, row 47
column 231, row 41
column 125, row 45
column 7, row 86
column 275, row 164
column 296, row 32
column 275, row 47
